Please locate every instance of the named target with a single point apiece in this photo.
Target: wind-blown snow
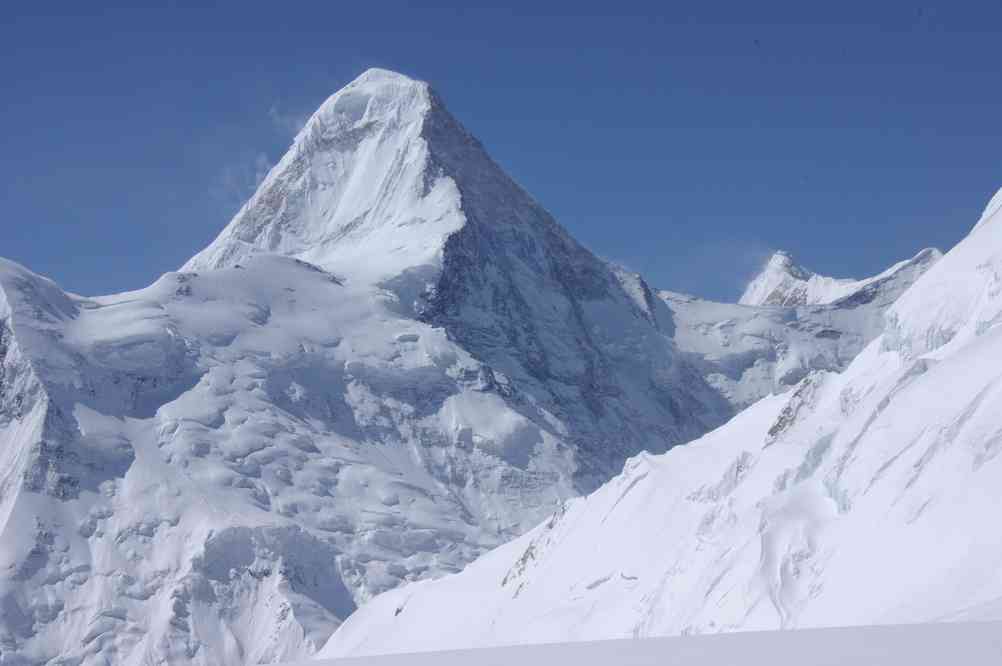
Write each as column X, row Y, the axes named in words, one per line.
column 866, row 497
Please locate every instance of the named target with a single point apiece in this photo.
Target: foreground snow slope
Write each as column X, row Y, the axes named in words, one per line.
column 968, row 643
column 867, row 497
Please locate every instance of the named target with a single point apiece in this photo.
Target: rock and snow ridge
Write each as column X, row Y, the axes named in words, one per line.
column 783, row 282
column 748, row 352
column 391, row 361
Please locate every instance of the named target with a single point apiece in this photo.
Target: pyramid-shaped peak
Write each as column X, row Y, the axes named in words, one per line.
column 357, row 180
column 375, row 183
column 779, row 282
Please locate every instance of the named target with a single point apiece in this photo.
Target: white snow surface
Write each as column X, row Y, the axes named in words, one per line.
column 865, row 497
column 968, row 643
column 784, row 282
column 391, row 361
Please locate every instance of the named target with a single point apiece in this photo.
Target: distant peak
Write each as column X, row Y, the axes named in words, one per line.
column 782, row 281
column 785, row 283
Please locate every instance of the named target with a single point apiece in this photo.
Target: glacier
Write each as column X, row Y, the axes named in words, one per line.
column 390, row 362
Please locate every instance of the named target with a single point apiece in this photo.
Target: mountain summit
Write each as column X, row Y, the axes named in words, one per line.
column 384, row 188
column 784, row 282
column 363, row 179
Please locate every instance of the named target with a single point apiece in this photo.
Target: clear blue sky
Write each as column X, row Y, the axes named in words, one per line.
column 683, row 139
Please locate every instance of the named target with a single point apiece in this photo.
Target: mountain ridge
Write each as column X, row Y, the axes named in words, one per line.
column 784, row 282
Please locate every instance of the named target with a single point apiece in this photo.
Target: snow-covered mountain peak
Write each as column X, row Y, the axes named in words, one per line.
column 784, row 282
column 384, row 188
column 358, row 191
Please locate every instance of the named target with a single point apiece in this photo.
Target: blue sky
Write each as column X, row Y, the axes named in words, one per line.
column 684, row 140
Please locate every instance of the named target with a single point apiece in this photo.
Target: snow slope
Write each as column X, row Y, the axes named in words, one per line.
column 866, row 497
column 783, row 282
column 971, row 644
